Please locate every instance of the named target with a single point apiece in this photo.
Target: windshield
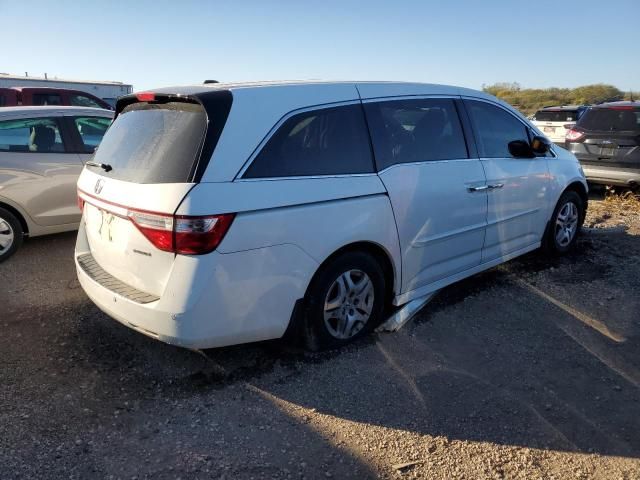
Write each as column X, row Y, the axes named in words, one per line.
column 556, row 116
column 609, row 119
column 153, row 143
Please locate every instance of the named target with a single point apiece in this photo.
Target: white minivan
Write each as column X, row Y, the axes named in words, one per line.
column 227, row 213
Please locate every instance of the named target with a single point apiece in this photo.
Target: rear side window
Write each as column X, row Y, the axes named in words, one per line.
column 556, row 116
column 83, row 101
column 406, row 131
column 91, row 130
column 32, row 135
column 153, row 143
column 46, row 99
column 494, row 128
column 330, row 141
column 609, row 119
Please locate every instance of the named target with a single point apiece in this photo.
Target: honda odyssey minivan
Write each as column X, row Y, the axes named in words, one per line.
column 227, row 213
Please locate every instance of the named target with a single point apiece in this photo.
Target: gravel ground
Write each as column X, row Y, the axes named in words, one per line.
column 530, row 370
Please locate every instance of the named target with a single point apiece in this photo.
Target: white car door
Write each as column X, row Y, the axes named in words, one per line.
column 435, row 185
column 517, row 187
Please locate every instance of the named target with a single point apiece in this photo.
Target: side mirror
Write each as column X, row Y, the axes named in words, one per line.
column 540, row 145
column 521, row 149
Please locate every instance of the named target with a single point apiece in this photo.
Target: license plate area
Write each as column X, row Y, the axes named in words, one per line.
column 549, row 130
column 607, row 151
column 102, row 224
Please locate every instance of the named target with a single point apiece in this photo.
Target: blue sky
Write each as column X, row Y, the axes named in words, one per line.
column 537, row 43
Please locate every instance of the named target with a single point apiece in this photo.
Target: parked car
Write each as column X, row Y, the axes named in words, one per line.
column 48, row 96
column 42, row 151
column 555, row 121
column 222, row 214
column 606, row 140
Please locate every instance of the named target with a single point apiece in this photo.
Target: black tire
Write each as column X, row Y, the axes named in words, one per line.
column 551, row 243
column 316, row 333
column 9, row 225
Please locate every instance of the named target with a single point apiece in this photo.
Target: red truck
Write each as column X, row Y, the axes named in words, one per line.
column 13, row 96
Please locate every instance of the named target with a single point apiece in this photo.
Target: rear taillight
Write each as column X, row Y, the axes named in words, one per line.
column 80, row 203
column 196, row 235
column 156, row 227
column 574, row 135
column 182, row 234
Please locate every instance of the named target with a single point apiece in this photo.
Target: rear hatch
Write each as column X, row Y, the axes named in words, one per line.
column 151, row 156
column 607, row 136
column 555, row 123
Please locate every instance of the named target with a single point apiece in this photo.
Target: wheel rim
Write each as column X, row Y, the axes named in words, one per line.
column 566, row 224
column 348, row 304
column 6, row 236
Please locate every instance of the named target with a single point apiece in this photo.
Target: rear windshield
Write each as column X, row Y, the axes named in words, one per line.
column 556, row 116
column 609, row 119
column 153, row 143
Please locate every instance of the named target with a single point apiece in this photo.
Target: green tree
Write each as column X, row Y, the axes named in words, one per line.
column 528, row 100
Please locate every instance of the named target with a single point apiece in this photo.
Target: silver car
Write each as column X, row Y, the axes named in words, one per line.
column 42, row 152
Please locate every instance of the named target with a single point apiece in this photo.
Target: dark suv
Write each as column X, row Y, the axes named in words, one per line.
column 606, row 140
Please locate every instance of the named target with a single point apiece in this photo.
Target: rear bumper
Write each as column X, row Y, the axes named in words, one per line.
column 213, row 300
column 612, row 175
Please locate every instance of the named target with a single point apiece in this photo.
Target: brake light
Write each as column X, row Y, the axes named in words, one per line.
column 574, row 135
column 181, row 234
column 197, row 235
column 157, row 228
column 146, row 96
column 80, row 203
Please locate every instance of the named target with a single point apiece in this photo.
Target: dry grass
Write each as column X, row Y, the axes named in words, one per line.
column 627, row 201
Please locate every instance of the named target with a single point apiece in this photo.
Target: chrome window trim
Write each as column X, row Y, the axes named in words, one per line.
column 424, row 162
column 411, row 97
column 277, row 126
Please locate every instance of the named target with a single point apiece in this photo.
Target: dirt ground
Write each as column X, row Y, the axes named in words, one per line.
column 530, row 370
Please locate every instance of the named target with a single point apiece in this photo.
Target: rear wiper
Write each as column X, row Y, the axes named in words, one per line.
column 105, row 166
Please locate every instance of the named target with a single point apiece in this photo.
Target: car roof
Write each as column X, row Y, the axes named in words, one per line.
column 52, row 109
column 560, row 108
column 624, row 103
column 367, row 89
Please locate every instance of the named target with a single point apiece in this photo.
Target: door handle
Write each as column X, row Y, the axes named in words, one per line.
column 495, row 185
column 478, row 189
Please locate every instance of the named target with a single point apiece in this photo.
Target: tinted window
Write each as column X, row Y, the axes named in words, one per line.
column 91, row 130
column 35, row 135
column 494, row 129
column 153, row 143
column 83, row 101
column 556, row 116
column 322, row 142
column 3, row 102
column 46, row 99
column 608, row 119
column 406, row 131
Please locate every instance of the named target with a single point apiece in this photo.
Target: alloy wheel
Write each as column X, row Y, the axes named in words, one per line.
column 348, row 304
column 566, row 224
column 6, row 236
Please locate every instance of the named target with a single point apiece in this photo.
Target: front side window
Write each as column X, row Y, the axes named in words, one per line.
column 91, row 130
column 494, row 129
column 330, row 141
column 46, row 99
column 407, row 131
column 83, row 101
column 35, row 135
